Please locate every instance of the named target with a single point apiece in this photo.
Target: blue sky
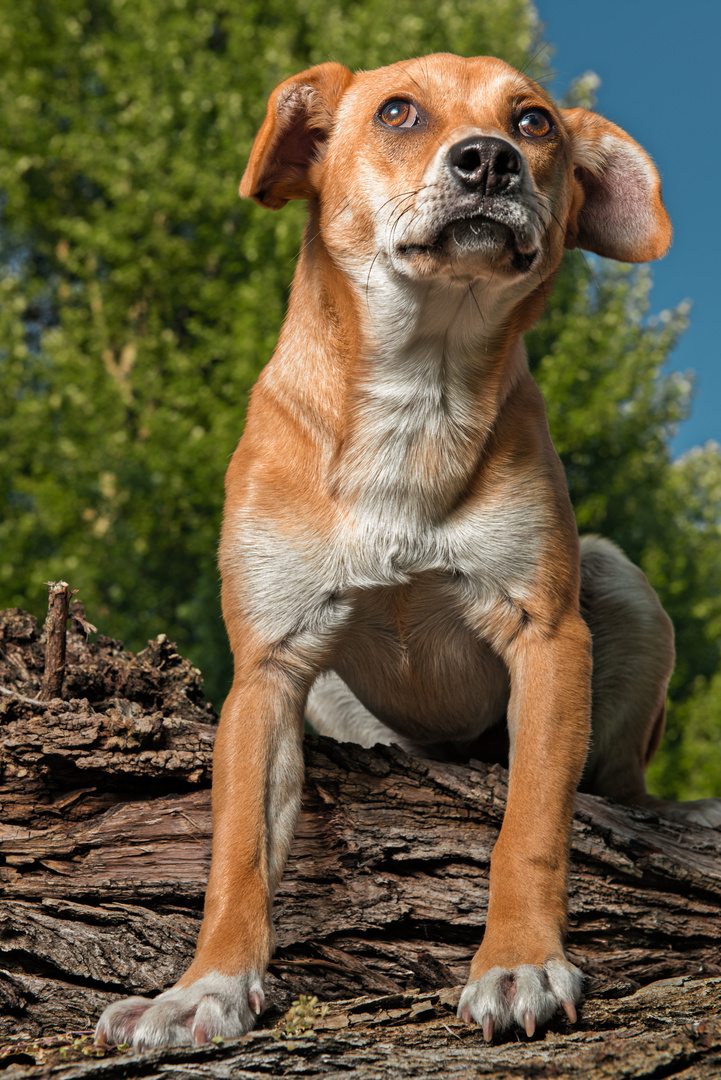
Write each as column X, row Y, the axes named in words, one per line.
column 659, row 63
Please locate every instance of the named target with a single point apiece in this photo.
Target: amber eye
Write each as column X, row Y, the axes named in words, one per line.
column 398, row 114
column 535, row 124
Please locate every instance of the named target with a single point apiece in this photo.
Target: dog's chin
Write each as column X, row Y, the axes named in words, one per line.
column 470, row 248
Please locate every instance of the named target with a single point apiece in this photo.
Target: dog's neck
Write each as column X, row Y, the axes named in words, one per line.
column 408, row 376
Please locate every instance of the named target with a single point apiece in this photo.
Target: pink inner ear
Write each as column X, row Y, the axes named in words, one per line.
column 622, row 216
column 288, row 161
column 297, row 121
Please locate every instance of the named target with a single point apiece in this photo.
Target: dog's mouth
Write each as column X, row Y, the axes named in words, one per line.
column 478, row 234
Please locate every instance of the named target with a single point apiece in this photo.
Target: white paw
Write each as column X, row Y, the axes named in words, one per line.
column 706, row 812
column 224, row 1006
column 526, row 995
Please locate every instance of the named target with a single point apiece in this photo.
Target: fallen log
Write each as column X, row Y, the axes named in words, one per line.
column 105, row 837
column 670, row 1028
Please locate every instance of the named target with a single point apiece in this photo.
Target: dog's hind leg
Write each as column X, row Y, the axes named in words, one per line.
column 333, row 709
column 633, row 657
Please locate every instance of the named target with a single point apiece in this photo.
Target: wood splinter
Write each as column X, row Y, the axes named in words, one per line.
column 59, row 594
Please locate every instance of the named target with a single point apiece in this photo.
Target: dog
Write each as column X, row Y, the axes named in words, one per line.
column 399, row 553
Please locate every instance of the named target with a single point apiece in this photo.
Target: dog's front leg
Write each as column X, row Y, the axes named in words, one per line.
column 520, row 973
column 257, row 782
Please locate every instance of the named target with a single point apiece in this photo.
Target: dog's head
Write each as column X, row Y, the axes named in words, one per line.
column 454, row 168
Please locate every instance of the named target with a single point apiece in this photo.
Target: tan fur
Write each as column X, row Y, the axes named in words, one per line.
column 397, row 520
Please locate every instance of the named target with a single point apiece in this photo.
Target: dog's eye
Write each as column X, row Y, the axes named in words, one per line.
column 535, row 124
column 399, row 114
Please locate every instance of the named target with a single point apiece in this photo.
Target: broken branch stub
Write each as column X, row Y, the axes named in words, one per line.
column 59, row 594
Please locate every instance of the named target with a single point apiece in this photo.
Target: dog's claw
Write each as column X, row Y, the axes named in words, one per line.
column 487, row 1027
column 529, row 1023
column 200, row 1035
column 256, row 1000
column 570, row 1010
column 466, row 1016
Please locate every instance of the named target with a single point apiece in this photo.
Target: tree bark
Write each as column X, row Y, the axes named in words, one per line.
column 105, row 810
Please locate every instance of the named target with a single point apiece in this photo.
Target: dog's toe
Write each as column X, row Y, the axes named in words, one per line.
column 216, row 1006
column 119, row 1020
column 526, row 995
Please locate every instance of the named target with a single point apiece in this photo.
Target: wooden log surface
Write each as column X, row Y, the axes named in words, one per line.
column 666, row 1029
column 105, row 838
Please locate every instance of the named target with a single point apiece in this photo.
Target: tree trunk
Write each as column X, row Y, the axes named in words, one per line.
column 106, row 842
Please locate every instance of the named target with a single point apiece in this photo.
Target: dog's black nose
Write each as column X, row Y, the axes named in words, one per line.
column 484, row 164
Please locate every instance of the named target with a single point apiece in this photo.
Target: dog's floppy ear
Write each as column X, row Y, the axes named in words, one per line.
column 620, row 214
column 297, row 121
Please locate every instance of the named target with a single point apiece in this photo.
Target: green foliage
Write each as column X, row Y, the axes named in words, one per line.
column 612, row 411
column 687, row 763
column 300, row 1018
column 610, row 408
column 683, row 558
column 139, row 298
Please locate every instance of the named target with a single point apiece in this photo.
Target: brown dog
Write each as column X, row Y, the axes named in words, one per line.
column 398, row 541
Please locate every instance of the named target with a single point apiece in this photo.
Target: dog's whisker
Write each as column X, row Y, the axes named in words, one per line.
column 393, row 198
column 542, row 48
column 475, row 301
column 368, row 278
